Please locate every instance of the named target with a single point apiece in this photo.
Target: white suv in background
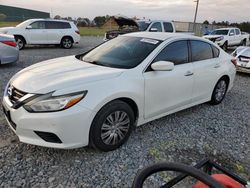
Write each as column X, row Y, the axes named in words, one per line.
column 44, row 31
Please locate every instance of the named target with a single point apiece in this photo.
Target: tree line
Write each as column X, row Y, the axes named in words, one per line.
column 243, row 26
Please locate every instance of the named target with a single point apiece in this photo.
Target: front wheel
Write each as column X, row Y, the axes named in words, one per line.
column 225, row 46
column 112, row 126
column 67, row 43
column 20, row 42
column 219, row 92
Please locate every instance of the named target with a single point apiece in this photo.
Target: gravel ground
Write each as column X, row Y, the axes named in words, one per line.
column 220, row 132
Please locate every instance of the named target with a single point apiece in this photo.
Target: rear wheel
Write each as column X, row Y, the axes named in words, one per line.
column 20, row 42
column 67, row 42
column 244, row 43
column 219, row 92
column 112, row 126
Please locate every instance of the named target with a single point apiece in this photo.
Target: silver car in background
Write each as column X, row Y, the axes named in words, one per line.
column 9, row 52
column 242, row 56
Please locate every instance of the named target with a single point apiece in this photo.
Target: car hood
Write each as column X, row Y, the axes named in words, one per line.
column 59, row 74
column 212, row 36
column 4, row 29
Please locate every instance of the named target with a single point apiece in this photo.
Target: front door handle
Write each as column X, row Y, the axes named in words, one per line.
column 189, row 73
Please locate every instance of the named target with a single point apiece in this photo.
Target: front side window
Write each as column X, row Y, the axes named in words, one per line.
column 122, row 52
column 201, row 50
column 232, row 32
column 38, row 25
column 176, row 52
column 168, row 27
column 157, row 25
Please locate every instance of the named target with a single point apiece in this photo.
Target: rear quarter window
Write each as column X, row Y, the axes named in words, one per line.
column 216, row 51
column 201, row 50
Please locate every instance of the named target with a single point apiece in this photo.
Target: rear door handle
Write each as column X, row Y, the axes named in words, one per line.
column 189, row 73
column 217, row 66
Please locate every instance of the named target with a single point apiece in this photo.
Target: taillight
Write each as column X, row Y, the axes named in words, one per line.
column 77, row 32
column 234, row 61
column 9, row 43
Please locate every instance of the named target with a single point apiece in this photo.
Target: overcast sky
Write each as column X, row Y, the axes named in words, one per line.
column 178, row 10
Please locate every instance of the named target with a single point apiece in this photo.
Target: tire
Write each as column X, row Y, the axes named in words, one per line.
column 108, row 136
column 219, row 91
column 67, row 42
column 244, row 43
column 225, row 46
column 20, row 42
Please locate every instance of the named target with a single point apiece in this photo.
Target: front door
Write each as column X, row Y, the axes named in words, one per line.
column 168, row 90
column 37, row 33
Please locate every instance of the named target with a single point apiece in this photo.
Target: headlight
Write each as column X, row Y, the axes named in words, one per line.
column 49, row 103
column 219, row 38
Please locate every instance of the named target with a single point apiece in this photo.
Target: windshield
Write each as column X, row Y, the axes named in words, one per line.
column 122, row 52
column 220, row 32
column 23, row 23
column 143, row 25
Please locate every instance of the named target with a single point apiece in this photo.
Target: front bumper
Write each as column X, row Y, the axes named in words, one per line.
column 71, row 126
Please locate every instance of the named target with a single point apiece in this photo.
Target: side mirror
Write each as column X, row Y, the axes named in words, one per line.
column 231, row 34
column 153, row 29
column 162, row 66
column 29, row 27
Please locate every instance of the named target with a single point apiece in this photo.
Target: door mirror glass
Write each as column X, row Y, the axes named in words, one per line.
column 29, row 27
column 162, row 66
column 153, row 30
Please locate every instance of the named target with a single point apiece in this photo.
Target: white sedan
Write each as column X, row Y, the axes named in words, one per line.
column 96, row 98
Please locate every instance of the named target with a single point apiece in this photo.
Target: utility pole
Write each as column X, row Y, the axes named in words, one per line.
column 196, row 10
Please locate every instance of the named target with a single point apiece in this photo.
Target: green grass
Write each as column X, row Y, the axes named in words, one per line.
column 8, row 24
column 92, row 31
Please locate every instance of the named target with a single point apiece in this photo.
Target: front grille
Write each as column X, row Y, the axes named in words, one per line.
column 49, row 137
column 15, row 94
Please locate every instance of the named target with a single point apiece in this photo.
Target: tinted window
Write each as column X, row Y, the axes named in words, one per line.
column 216, row 51
column 237, row 31
column 176, row 52
column 57, row 25
column 157, row 25
column 220, row 32
column 201, row 50
column 143, row 25
column 122, row 52
column 38, row 25
column 168, row 27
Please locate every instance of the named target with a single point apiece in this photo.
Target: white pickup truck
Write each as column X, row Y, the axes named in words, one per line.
column 127, row 25
column 226, row 37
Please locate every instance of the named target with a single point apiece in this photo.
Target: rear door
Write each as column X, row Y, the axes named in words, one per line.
column 56, row 30
column 168, row 27
column 37, row 34
column 166, row 91
column 206, row 69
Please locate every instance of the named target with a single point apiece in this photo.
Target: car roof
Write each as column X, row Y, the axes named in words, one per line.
column 227, row 28
column 161, row 35
column 47, row 19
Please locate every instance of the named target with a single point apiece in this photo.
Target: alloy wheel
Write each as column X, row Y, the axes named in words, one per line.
column 115, row 128
column 220, row 90
column 67, row 43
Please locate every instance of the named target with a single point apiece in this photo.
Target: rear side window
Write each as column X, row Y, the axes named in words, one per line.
column 201, row 50
column 157, row 25
column 38, row 25
column 57, row 25
column 237, row 31
column 216, row 51
column 176, row 52
column 168, row 27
